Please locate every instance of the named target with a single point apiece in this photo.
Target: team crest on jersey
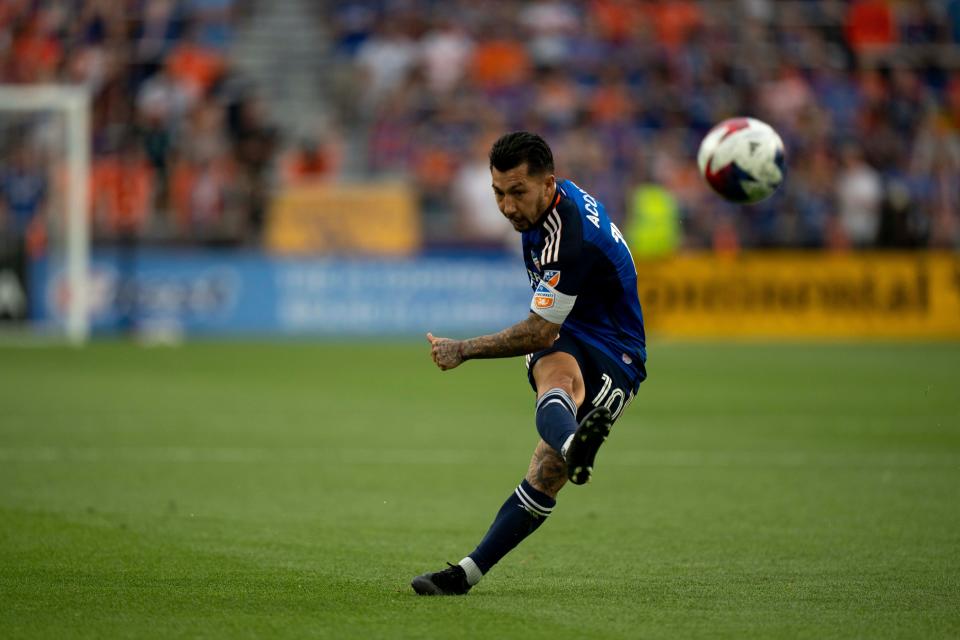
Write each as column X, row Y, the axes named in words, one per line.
column 543, row 298
column 551, row 277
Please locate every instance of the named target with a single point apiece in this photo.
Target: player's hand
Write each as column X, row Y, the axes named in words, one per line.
column 446, row 353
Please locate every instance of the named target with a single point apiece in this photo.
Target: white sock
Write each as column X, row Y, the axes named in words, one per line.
column 472, row 570
column 566, row 445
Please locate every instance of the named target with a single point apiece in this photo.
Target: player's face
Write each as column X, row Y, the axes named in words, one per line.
column 522, row 197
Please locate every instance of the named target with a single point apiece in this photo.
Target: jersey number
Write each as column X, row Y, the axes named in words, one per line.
column 617, row 236
column 608, row 396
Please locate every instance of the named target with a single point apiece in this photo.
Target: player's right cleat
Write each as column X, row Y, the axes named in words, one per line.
column 593, row 430
column 449, row 582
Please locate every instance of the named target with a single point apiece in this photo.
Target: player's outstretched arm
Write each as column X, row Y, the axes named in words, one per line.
column 527, row 336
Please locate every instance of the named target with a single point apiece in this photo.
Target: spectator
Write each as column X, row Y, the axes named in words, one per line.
column 479, row 220
column 935, row 168
column 24, row 201
column 164, row 99
column 254, row 146
column 310, row 161
column 786, row 97
column 859, row 196
column 652, row 227
column 37, row 53
column 214, row 20
column 384, row 61
column 24, row 191
column 445, row 53
column 122, row 192
column 675, row 21
column 201, row 198
column 194, row 66
column 556, row 99
column 615, row 83
column 551, row 25
column 870, row 25
column 616, row 19
column 500, row 61
column 156, row 34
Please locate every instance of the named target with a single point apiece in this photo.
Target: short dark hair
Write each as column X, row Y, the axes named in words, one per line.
column 517, row 147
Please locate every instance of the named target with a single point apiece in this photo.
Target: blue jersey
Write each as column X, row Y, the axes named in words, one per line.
column 23, row 192
column 584, row 278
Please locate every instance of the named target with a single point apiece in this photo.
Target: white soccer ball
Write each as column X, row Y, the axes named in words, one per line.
column 742, row 160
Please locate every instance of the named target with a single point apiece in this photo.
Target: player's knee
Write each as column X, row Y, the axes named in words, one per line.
column 556, row 378
column 569, row 384
column 561, row 381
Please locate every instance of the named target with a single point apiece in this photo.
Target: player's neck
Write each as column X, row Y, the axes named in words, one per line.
column 551, row 203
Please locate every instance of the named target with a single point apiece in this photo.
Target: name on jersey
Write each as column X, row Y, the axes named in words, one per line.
column 593, row 215
column 534, row 278
column 590, row 204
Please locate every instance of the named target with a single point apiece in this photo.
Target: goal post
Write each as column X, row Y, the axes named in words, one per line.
column 73, row 103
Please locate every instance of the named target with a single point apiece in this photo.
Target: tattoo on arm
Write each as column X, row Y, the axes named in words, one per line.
column 548, row 471
column 527, row 336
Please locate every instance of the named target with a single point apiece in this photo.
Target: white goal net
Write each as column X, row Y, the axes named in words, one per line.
column 44, row 201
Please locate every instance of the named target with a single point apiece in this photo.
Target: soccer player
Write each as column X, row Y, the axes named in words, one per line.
column 583, row 341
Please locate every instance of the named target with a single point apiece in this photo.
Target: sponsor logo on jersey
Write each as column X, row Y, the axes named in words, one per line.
column 551, row 277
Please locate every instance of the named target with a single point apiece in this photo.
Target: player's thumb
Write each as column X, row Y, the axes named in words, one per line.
column 430, row 337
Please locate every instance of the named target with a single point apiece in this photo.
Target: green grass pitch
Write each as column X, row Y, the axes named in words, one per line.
column 292, row 490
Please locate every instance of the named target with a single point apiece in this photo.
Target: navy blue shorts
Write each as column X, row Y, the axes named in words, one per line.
column 605, row 382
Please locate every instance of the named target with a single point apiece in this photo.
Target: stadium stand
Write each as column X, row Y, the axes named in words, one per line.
column 866, row 95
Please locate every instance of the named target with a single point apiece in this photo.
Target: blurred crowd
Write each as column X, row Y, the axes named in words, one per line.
column 182, row 148
column 865, row 94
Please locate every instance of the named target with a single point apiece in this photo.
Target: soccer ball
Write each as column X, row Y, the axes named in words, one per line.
column 742, row 160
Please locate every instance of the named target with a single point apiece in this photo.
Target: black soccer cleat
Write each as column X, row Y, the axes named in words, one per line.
column 452, row 581
column 593, row 430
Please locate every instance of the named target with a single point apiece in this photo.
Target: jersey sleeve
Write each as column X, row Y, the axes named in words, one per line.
column 564, row 266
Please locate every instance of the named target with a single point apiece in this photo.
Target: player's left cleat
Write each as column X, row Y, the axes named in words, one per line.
column 593, row 430
column 449, row 582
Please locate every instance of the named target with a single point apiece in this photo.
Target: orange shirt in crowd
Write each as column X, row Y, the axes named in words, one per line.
column 870, row 24
column 500, row 63
column 616, row 19
column 611, row 103
column 36, row 57
column 434, row 168
column 299, row 167
column 675, row 21
column 195, row 67
column 122, row 191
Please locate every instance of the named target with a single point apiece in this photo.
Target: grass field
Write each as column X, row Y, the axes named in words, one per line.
column 292, row 490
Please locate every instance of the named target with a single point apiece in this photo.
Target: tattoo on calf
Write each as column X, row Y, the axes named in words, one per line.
column 548, row 471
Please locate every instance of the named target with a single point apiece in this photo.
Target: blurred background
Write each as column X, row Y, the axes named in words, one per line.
column 296, row 167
